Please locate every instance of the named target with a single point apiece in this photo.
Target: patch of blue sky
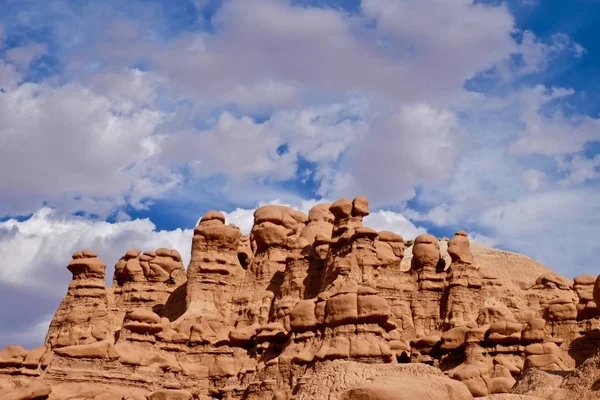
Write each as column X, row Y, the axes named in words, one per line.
column 185, row 206
column 261, row 118
column 591, row 149
column 75, row 23
column 206, row 12
column 304, row 182
column 19, row 218
column 165, row 215
column 350, row 6
column 580, row 20
column 43, row 67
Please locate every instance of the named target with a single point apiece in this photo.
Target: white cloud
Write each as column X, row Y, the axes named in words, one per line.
column 537, row 54
column 379, row 147
column 549, row 130
column 557, row 227
column 236, row 148
column 444, row 40
column 483, row 239
column 35, row 252
column 240, row 149
column 242, row 217
column 533, row 179
column 261, row 96
column 580, row 169
column 68, row 142
column 128, row 89
column 9, row 76
column 291, row 52
column 412, row 145
column 22, row 56
column 383, row 220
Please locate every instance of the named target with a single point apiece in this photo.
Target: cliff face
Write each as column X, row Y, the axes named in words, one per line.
column 303, row 302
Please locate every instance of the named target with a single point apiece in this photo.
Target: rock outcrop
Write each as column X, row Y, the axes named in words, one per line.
column 83, row 317
column 314, row 306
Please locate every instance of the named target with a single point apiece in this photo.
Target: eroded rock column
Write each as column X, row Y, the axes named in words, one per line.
column 431, row 284
column 83, row 316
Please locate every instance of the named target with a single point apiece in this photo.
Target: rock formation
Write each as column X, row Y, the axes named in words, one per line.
column 314, row 306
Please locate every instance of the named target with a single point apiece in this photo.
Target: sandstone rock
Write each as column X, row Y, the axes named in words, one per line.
column 459, row 248
column 535, row 382
column 360, row 206
column 343, row 376
column 12, row 356
column 426, row 258
column 303, row 316
column 213, row 215
column 409, row 388
column 426, row 252
column 83, row 316
column 315, row 307
column 454, row 338
column 103, row 350
column 465, row 299
column 170, row 395
column 33, row 391
column 596, row 291
column 34, row 358
column 341, row 209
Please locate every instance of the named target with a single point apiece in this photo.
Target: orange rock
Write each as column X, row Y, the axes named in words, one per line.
column 304, row 290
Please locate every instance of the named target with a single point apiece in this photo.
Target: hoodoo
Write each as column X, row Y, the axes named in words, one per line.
column 316, row 307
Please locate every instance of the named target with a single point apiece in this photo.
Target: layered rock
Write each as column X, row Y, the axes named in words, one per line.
column 347, row 319
column 214, row 273
column 83, row 316
column 320, row 297
column 146, row 280
column 463, row 295
column 431, row 279
column 584, row 287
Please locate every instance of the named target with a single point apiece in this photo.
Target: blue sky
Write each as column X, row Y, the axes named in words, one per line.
column 121, row 123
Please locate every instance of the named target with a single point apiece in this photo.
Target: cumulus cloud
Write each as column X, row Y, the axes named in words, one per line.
column 378, row 51
column 22, row 56
column 556, row 227
column 356, row 143
column 536, row 54
column 549, row 129
column 579, row 169
column 9, row 76
column 36, row 251
column 383, row 220
column 467, row 36
column 533, row 179
column 412, row 145
column 71, row 141
column 241, row 149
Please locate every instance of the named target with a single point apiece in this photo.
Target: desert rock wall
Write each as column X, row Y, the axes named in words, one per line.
column 305, row 299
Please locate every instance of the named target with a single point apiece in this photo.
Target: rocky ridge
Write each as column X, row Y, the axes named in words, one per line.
column 315, row 306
